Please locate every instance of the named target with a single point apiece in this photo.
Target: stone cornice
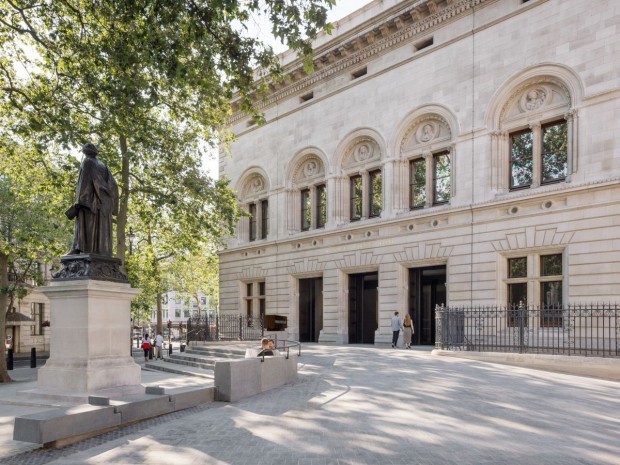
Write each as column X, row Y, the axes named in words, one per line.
column 413, row 20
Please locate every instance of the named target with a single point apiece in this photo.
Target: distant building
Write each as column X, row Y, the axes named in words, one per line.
column 464, row 152
column 28, row 323
column 177, row 307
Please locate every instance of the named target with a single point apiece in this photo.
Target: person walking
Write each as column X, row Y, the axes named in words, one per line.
column 159, row 346
column 397, row 323
column 407, row 331
column 146, row 346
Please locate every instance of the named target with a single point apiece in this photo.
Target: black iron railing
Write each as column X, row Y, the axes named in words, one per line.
column 568, row 330
column 224, row 328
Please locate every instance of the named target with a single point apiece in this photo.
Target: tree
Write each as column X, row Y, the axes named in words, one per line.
column 149, row 81
column 31, row 230
column 196, row 274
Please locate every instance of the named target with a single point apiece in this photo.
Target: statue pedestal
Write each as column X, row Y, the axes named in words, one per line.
column 90, row 337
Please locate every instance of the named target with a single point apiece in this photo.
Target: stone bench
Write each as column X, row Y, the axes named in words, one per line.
column 51, row 426
column 65, row 425
column 238, row 379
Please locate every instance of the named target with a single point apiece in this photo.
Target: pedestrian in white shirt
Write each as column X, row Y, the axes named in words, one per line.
column 397, row 323
column 159, row 345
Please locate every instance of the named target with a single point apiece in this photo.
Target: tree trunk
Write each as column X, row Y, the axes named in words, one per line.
column 121, row 218
column 198, row 305
column 4, row 284
column 160, row 326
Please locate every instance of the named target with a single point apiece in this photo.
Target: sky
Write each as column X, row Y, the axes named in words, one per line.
column 342, row 9
column 339, row 11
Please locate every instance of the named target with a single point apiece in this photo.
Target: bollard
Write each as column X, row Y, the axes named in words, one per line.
column 9, row 362
column 33, row 357
column 169, row 350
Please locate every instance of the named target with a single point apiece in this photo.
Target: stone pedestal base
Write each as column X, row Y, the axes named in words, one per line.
column 90, row 342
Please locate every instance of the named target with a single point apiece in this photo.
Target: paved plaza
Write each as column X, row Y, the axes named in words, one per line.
column 366, row 405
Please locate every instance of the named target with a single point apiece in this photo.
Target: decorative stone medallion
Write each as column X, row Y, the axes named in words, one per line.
column 534, row 98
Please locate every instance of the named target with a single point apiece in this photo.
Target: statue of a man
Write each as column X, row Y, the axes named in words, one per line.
column 96, row 202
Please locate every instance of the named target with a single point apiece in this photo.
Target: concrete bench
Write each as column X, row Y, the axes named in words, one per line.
column 66, row 425
column 238, row 379
column 53, row 425
column 185, row 397
column 142, row 406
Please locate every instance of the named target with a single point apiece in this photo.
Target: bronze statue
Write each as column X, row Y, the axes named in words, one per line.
column 96, row 203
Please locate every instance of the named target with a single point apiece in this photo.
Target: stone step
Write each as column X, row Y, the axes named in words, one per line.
column 219, row 352
column 192, row 360
column 180, row 369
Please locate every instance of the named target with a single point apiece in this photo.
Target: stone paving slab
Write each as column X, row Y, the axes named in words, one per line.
column 363, row 406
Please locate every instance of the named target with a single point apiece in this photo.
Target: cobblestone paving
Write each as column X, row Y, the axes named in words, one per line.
column 363, row 406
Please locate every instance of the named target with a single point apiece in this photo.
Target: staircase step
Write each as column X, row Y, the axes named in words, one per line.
column 188, row 360
column 223, row 352
column 198, row 360
column 181, row 369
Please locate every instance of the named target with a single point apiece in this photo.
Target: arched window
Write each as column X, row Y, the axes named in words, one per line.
column 308, row 193
column 254, row 198
column 533, row 129
column 362, row 174
column 428, row 149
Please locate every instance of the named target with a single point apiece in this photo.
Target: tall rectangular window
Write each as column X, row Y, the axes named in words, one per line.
column 551, row 290
column 521, row 159
column 261, row 299
column 254, row 299
column 252, row 211
column 36, row 313
column 417, row 183
column 321, row 206
column 264, row 220
column 306, row 210
column 442, row 174
column 517, row 286
column 356, row 196
column 249, row 294
column 375, row 189
column 554, row 152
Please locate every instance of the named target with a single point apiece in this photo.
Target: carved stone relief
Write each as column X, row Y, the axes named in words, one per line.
column 537, row 96
column 254, row 185
column 534, row 98
column 426, row 130
column 309, row 168
column 257, row 184
column 361, row 152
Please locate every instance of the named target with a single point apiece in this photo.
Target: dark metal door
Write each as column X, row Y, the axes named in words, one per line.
column 310, row 309
column 427, row 288
column 363, row 320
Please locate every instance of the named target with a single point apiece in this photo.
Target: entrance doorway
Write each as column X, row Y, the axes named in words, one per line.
column 363, row 318
column 427, row 288
column 310, row 309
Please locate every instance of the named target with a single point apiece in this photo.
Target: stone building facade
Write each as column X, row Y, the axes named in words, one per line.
column 464, row 152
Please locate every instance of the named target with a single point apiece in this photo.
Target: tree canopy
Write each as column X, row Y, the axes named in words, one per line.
column 150, row 83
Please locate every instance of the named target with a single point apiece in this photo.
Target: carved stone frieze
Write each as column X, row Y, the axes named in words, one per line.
column 90, row 266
